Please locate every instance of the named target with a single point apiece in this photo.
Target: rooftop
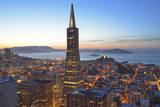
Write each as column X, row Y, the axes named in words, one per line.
column 91, row 92
column 4, row 80
column 157, row 93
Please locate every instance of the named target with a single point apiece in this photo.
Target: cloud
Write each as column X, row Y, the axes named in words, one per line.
column 137, row 40
column 126, row 39
column 93, row 41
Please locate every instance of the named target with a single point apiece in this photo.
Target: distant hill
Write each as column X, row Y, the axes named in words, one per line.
column 40, row 49
column 119, row 51
column 33, row 49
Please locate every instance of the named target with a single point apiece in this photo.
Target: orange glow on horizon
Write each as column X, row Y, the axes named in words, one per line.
column 81, row 47
column 62, row 45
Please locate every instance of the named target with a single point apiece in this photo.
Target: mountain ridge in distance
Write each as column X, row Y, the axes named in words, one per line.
column 33, row 49
column 115, row 50
column 40, row 49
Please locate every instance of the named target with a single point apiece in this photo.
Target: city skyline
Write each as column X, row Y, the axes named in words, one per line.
column 129, row 24
column 80, row 70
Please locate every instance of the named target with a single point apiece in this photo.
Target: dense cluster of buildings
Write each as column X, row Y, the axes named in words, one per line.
column 30, row 82
column 27, row 82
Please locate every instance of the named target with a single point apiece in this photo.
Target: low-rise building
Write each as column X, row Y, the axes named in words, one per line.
column 87, row 98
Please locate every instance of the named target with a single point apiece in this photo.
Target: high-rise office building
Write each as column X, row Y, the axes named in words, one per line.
column 72, row 78
column 8, row 93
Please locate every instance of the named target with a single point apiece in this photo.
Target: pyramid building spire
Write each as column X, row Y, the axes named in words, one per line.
column 72, row 75
column 72, row 23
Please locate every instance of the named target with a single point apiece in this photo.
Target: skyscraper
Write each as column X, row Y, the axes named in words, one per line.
column 72, row 78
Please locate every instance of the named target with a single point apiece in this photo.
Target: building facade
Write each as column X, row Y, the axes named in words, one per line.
column 8, row 93
column 87, row 98
column 37, row 93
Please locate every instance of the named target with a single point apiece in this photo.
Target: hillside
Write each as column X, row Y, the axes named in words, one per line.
column 32, row 49
column 119, row 51
column 40, row 49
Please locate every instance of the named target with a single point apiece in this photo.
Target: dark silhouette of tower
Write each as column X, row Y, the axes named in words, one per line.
column 72, row 78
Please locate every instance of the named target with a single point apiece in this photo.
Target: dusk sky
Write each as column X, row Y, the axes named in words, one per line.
column 101, row 23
